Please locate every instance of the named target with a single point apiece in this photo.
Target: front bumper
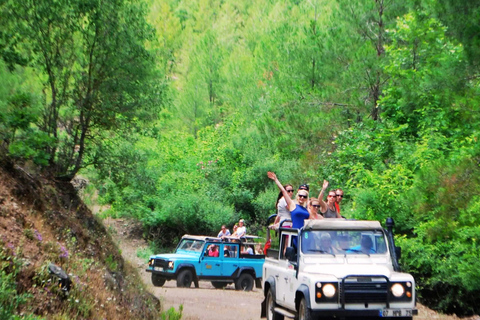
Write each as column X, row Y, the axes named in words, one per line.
column 371, row 313
column 163, row 274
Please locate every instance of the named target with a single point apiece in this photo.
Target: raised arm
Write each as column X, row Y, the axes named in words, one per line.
column 323, row 204
column 290, row 203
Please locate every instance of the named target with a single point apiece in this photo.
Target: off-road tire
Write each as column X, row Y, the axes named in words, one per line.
column 157, row 280
column 303, row 312
column 270, row 302
column 185, row 278
column 219, row 284
column 245, row 282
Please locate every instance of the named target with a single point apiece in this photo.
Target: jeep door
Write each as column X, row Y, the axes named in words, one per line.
column 230, row 259
column 285, row 281
column 210, row 266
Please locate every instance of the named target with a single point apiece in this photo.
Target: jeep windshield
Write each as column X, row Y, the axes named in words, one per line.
column 344, row 242
column 190, row 245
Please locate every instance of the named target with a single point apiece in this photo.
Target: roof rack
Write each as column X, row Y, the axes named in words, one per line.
column 250, row 239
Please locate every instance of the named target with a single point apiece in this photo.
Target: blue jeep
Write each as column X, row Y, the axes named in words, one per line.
column 191, row 262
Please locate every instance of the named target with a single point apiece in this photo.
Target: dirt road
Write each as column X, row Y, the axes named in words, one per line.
column 207, row 302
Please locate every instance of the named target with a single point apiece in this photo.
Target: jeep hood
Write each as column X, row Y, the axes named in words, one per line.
column 178, row 256
column 340, row 271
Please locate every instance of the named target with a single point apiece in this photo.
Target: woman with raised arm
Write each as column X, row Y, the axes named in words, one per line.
column 297, row 208
column 328, row 208
column 281, row 205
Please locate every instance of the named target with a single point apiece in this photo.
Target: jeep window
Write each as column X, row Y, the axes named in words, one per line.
column 230, row 251
column 343, row 242
column 286, row 241
column 190, row 245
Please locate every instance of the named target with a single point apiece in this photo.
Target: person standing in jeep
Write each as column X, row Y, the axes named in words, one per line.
column 297, row 208
column 328, row 209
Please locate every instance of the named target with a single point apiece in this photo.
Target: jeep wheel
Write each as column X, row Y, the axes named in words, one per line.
column 185, row 278
column 219, row 285
column 271, row 314
column 244, row 282
column 157, row 280
column 303, row 312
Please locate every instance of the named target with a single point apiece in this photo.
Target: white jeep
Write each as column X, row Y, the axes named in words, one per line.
column 335, row 268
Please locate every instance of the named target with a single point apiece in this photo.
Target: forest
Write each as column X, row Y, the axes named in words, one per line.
column 175, row 110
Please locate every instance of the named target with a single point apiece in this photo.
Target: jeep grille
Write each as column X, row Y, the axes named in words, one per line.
column 364, row 289
column 161, row 263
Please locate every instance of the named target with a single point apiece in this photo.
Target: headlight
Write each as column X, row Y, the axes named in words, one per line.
column 171, row 264
column 398, row 290
column 328, row 290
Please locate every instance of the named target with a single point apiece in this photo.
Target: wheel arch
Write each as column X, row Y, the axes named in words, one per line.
column 269, row 284
column 184, row 266
column 241, row 270
column 302, row 291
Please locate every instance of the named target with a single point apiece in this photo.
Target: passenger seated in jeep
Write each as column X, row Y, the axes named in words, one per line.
column 366, row 246
column 326, row 243
column 343, row 243
column 213, row 251
column 247, row 250
column 315, row 242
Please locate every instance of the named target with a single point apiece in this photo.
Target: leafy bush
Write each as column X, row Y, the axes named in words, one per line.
column 10, row 299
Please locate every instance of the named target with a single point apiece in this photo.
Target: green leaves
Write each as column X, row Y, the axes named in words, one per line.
column 96, row 73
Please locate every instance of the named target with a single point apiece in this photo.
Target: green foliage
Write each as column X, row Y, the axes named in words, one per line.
column 172, row 314
column 112, row 265
column 145, row 253
column 19, row 113
column 10, row 299
column 425, row 93
column 94, row 71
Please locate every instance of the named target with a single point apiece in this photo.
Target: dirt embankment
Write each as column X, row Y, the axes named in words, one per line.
column 207, row 302
column 43, row 221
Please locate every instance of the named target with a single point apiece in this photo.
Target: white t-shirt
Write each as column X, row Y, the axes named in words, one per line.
column 249, row 250
column 282, row 210
column 221, row 233
column 241, row 231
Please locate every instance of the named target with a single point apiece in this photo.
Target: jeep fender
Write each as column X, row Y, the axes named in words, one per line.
column 241, row 270
column 191, row 267
column 268, row 285
column 302, row 291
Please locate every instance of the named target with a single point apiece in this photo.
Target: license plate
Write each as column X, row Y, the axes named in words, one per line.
column 158, row 268
column 396, row 313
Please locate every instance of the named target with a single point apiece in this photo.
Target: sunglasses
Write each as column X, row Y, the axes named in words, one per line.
column 315, row 206
column 331, row 196
column 340, row 195
column 289, row 190
column 302, row 196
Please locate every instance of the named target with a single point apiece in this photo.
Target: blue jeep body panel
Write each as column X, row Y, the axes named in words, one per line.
column 192, row 253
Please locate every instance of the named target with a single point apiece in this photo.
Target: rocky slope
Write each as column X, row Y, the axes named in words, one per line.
column 43, row 222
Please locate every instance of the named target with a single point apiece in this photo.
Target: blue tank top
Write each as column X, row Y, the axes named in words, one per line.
column 298, row 215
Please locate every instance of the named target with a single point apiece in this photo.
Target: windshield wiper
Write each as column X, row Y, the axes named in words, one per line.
column 321, row 251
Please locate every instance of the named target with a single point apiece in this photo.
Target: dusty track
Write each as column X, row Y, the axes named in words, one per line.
column 207, row 302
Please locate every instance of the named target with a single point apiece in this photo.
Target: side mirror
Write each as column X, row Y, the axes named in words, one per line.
column 290, row 254
column 398, row 252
